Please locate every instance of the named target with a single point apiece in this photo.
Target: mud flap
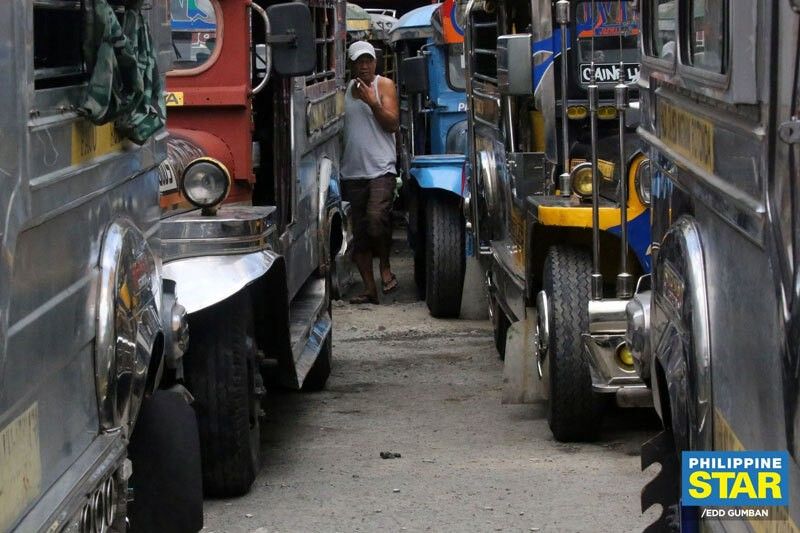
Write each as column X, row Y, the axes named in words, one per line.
column 473, row 296
column 165, row 453
column 663, row 489
column 521, row 383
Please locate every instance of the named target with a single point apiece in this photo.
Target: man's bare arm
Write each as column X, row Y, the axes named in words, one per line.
column 387, row 109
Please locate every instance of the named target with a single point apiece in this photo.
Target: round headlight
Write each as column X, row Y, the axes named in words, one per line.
column 205, row 182
column 581, row 177
column 644, row 181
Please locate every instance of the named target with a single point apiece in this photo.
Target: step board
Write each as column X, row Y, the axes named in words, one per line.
column 309, row 325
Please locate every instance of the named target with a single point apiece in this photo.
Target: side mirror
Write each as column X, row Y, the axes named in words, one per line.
column 291, row 37
column 414, row 74
column 515, row 64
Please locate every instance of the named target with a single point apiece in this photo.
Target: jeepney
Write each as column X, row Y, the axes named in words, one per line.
column 554, row 169
column 253, row 224
column 86, row 319
column 433, row 143
column 714, row 330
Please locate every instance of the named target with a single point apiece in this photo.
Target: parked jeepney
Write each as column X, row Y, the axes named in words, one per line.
column 252, row 217
column 88, row 441
column 714, row 330
column 380, row 28
column 555, row 169
column 433, row 144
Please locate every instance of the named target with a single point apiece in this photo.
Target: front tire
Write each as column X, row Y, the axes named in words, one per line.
column 574, row 410
column 223, row 375
column 444, row 255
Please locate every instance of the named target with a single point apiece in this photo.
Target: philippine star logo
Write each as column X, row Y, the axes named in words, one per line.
column 734, row 484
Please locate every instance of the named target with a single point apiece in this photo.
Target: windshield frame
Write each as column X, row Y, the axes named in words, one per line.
column 450, row 55
column 212, row 59
column 631, row 30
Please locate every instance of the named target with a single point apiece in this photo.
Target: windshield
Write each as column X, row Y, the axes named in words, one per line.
column 194, row 32
column 608, row 35
column 455, row 67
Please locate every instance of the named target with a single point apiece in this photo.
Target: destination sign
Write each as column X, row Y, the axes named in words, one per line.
column 609, row 72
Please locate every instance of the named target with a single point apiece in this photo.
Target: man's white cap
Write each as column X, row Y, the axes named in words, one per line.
column 359, row 48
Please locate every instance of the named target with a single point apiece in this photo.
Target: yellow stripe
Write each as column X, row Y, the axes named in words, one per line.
column 581, row 217
column 726, row 440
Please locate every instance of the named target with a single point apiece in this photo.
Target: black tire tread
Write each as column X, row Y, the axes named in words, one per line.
column 574, row 410
column 444, row 257
column 220, row 347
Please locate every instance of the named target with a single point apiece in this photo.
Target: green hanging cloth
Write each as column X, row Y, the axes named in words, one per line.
column 125, row 85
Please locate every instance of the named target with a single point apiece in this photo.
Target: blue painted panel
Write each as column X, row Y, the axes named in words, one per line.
column 638, row 238
column 450, row 105
column 438, row 172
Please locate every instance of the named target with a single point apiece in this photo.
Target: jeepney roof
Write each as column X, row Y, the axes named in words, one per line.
column 415, row 24
column 357, row 18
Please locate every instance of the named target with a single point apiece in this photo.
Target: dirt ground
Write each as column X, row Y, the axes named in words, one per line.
column 429, row 390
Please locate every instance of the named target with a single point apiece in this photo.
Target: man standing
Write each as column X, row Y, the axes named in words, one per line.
column 368, row 167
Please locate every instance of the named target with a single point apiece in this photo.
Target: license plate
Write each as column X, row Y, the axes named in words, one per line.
column 90, row 141
column 20, row 465
column 609, row 72
column 687, row 134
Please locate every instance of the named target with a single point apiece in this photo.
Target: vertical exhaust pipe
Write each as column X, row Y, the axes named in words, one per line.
column 562, row 17
column 597, row 277
column 624, row 279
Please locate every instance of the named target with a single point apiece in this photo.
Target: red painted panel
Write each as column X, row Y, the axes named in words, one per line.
column 216, row 99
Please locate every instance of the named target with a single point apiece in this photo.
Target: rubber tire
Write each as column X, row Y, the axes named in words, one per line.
column 500, row 325
column 416, row 239
column 444, row 255
column 220, row 369
column 574, row 410
column 167, row 479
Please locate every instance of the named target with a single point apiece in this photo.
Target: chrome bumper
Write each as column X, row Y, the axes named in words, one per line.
column 212, row 257
column 233, row 230
column 607, row 324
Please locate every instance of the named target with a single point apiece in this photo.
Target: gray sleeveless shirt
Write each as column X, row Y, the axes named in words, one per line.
column 369, row 150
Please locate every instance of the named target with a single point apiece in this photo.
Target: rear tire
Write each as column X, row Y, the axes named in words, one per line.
column 444, row 255
column 223, row 375
column 167, row 479
column 574, row 410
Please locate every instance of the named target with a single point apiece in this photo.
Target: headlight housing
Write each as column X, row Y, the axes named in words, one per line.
column 206, row 183
column 644, row 182
column 581, row 178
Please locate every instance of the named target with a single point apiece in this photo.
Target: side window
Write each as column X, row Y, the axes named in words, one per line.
column 661, row 25
column 324, row 19
column 57, row 46
column 707, row 35
column 194, row 32
column 485, row 47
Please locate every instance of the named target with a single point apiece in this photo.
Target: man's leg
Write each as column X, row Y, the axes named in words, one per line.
column 357, row 193
column 379, row 214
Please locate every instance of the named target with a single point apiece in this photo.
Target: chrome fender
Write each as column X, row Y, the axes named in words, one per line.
column 680, row 336
column 204, row 281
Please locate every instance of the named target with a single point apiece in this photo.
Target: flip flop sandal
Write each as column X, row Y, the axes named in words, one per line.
column 390, row 285
column 364, row 299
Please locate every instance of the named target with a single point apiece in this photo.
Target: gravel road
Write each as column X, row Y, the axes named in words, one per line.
column 429, row 390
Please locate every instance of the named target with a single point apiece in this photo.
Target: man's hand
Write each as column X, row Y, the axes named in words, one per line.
column 366, row 93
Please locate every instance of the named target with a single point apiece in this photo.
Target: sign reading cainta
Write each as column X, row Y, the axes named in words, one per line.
column 734, row 479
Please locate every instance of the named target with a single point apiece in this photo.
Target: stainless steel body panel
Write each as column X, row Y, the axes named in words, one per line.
column 57, row 201
column 231, row 273
column 724, row 316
